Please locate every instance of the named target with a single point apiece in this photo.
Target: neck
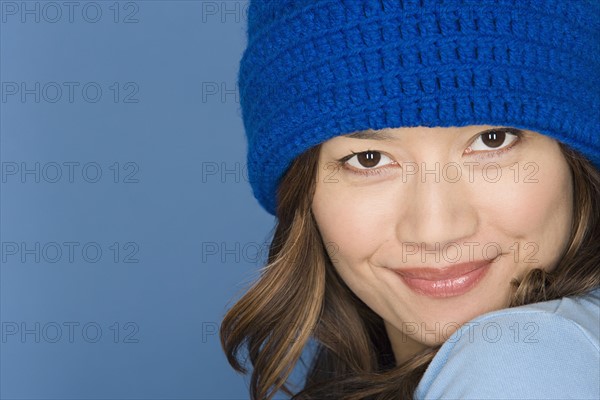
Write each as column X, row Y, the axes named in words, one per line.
column 403, row 346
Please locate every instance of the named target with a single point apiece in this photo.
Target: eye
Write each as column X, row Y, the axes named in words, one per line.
column 367, row 159
column 495, row 139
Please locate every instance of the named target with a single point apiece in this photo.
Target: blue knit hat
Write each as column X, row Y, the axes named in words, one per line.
column 316, row 69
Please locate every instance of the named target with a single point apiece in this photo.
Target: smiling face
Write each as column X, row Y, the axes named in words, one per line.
column 438, row 197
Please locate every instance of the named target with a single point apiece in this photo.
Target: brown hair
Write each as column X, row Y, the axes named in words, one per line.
column 300, row 296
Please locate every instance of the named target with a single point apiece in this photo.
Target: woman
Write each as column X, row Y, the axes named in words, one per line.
column 434, row 170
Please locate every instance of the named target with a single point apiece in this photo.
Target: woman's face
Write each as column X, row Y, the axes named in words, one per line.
column 412, row 198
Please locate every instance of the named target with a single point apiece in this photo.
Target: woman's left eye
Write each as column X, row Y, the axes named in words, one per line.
column 495, row 141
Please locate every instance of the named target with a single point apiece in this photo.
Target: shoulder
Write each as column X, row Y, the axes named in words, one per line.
column 548, row 350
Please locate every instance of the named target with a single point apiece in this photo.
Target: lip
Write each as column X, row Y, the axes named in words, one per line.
column 434, row 274
column 453, row 280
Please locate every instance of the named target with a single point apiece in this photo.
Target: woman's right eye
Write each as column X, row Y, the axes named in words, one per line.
column 367, row 161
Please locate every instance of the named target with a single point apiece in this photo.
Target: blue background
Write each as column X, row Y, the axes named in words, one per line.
column 164, row 229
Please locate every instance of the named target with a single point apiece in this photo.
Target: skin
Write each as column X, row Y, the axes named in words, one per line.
column 392, row 219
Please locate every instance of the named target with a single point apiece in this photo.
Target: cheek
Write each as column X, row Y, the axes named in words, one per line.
column 351, row 216
column 538, row 214
column 341, row 222
column 351, row 225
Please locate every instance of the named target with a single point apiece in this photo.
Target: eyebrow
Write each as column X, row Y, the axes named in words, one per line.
column 371, row 135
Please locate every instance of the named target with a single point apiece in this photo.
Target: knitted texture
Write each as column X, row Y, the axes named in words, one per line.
column 316, row 69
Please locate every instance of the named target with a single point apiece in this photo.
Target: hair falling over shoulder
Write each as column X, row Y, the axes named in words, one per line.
column 299, row 297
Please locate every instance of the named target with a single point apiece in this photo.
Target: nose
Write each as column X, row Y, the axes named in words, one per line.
column 437, row 211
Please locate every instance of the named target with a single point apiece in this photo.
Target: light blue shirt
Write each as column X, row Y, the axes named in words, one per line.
column 547, row 350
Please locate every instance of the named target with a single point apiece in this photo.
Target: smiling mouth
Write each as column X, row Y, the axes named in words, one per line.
column 454, row 280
